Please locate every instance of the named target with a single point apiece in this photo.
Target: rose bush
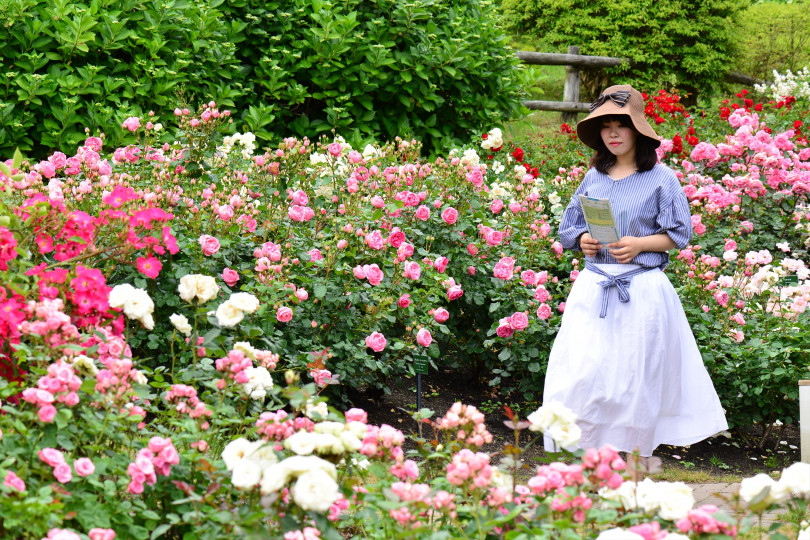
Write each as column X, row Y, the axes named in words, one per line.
column 162, row 307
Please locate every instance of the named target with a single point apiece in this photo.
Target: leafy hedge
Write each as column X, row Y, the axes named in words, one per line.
column 434, row 69
column 681, row 44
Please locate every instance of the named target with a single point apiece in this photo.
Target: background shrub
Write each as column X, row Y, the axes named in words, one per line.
column 686, row 45
column 775, row 36
column 369, row 69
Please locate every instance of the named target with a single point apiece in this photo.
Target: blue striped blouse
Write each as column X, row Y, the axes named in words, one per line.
column 643, row 204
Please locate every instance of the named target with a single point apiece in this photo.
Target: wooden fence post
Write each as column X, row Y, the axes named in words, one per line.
column 804, row 420
column 571, row 88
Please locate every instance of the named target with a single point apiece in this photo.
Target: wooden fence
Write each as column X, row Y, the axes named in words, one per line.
column 570, row 106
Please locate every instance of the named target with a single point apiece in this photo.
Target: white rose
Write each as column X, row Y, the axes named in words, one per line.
column 618, row 534
column 85, row 365
column 359, row 429
column 795, row 481
column 246, row 348
column 229, row 315
column 264, row 455
column 237, row 450
column 804, row 534
column 316, row 411
column 244, row 301
column 119, row 295
column 274, row 478
column 302, row 443
column 198, row 286
column 298, row 465
column 554, row 198
column 259, row 382
column 335, row 428
column 246, row 474
column 566, row 434
column 315, row 490
column 675, row 501
column 751, row 487
column 350, row 441
column 326, row 443
column 181, row 323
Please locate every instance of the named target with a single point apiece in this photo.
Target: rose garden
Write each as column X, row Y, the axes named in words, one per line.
column 186, row 314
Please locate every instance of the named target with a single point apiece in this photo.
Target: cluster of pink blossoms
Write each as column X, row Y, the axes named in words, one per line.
column 58, row 386
column 8, row 247
column 233, row 367
column 604, row 467
column 52, row 324
column 278, row 425
column 466, row 423
column 156, row 458
column 470, row 468
column 307, row 533
column 13, row 481
column 372, row 272
column 515, row 322
column 94, row 534
column 383, row 442
column 185, row 401
column 61, row 470
column 702, row 521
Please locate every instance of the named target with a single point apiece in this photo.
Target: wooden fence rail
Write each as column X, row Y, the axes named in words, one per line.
column 570, row 106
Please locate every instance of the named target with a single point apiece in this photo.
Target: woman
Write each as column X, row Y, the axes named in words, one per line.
column 625, row 360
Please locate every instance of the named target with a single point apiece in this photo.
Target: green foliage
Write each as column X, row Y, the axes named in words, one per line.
column 434, row 69
column 687, row 45
column 775, row 36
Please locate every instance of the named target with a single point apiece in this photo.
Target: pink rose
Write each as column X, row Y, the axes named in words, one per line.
column 404, row 251
column 504, row 329
column 376, row 341
column 519, row 320
column 101, row 534
column 377, row 201
column 541, row 294
column 299, row 197
column 284, row 314
column 404, row 301
column 396, row 238
column 335, row 149
column 441, row 264
column 84, row 467
column 296, row 213
column 14, row 481
column 375, row 240
column 496, row 206
column 475, row 177
column 423, row 213
column 132, row 123
column 542, row 277
column 441, row 315
column 731, row 245
column 450, row 215
column 502, row 271
column 454, row 292
column 359, row 272
column 472, row 249
column 373, row 274
column 51, row 456
column 301, row 294
column 423, row 337
column 561, row 307
column 411, row 270
column 471, row 270
column 63, row 473
column 528, row 277
column 210, row 245
column 315, row 254
column 356, row 415
column 230, row 277
column 544, row 311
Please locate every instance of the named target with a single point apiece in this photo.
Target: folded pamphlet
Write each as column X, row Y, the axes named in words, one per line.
column 599, row 217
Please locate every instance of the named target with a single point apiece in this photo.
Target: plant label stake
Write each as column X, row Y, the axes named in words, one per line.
column 420, row 366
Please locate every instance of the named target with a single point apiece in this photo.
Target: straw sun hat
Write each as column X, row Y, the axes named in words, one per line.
column 621, row 99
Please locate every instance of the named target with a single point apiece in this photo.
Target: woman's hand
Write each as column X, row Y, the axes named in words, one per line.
column 626, row 249
column 590, row 246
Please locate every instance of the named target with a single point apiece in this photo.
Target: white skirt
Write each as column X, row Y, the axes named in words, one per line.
column 635, row 379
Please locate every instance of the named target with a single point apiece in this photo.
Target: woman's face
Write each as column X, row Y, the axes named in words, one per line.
column 619, row 136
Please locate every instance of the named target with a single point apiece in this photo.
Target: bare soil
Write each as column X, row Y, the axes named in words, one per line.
column 718, row 456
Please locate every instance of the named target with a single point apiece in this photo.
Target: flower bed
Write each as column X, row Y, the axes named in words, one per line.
column 173, row 317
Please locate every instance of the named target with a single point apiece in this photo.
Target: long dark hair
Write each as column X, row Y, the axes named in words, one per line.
column 646, row 158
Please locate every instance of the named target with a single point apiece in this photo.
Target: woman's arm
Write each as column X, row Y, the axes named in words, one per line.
column 628, row 247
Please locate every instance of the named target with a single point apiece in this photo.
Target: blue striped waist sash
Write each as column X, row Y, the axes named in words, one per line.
column 621, row 282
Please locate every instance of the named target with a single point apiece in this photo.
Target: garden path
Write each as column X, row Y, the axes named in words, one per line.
column 718, row 493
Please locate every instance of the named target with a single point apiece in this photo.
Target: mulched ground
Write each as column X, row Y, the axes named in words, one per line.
column 719, row 455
